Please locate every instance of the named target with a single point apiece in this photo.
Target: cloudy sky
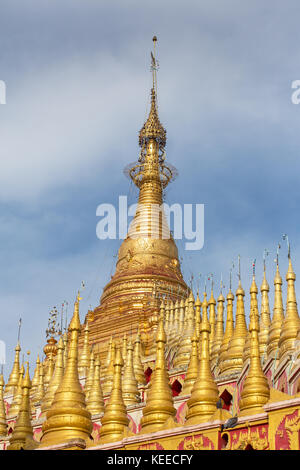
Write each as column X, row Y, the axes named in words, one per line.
column 78, row 84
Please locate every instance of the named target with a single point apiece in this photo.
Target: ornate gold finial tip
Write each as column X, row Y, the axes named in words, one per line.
column 154, row 39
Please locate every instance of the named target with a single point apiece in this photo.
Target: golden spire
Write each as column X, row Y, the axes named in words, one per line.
column 68, row 417
column 22, row 435
column 204, row 306
column 255, row 392
column 253, row 305
column 182, row 357
column 212, row 319
column 130, row 385
column 84, row 359
column 124, row 348
column 162, row 310
column 3, row 425
column 95, row 402
column 192, row 370
column 198, row 315
column 65, row 339
column 171, row 331
column 181, row 317
column 219, row 332
column 278, row 316
column 228, row 330
column 159, row 403
column 137, row 362
column 265, row 319
column 167, row 316
column 204, row 397
column 13, row 380
column 175, row 333
column 109, row 374
column 49, row 370
column 15, row 406
column 56, row 379
column 36, row 377
column 40, row 389
column 291, row 324
column 233, row 362
column 115, row 421
column 90, row 376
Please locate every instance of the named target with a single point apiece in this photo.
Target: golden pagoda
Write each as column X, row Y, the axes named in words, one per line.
column 171, row 379
column 148, row 257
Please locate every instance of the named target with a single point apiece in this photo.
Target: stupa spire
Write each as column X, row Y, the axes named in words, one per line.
column 256, row 390
column 265, row 316
column 212, row 316
column 124, row 348
column 159, row 404
column 22, row 435
column 14, row 375
column 84, row 360
column 17, row 400
column 291, row 323
column 36, row 377
column 219, row 332
column 95, row 402
column 68, row 417
column 229, row 329
column 115, row 421
column 203, row 401
column 253, row 305
column 56, row 378
column 137, row 360
column 278, row 314
column 197, row 315
column 182, row 357
column 233, row 361
column 192, row 370
column 90, row 376
column 130, row 385
column 40, row 389
column 3, row 425
column 109, row 374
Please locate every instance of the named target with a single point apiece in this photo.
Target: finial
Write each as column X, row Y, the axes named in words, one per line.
column 285, row 237
column 211, row 278
column 19, row 329
column 221, row 284
column 198, row 282
column 276, row 260
column 265, row 254
column 239, row 267
column 253, row 267
column 191, row 281
column 154, row 65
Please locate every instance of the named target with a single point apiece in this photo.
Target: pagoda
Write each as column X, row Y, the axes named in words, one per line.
column 148, row 267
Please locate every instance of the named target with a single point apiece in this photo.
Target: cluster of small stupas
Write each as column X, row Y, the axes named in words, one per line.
column 155, row 367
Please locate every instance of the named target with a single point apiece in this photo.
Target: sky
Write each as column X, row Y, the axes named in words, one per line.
column 78, row 81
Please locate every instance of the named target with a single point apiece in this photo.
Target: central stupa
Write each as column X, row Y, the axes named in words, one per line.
column 148, row 267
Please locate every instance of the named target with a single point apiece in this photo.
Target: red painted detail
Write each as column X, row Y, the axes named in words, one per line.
column 148, row 373
column 176, row 388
